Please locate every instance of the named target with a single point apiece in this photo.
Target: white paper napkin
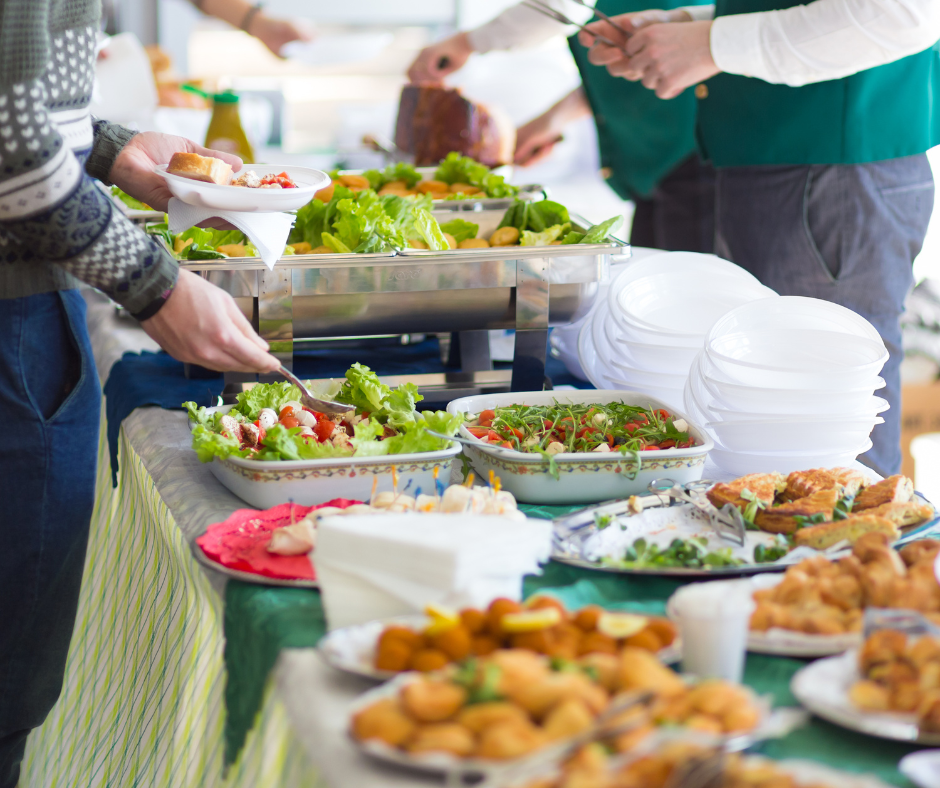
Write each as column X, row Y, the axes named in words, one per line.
column 267, row 231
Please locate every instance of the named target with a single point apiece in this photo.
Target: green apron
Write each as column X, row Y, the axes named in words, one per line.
column 883, row 113
column 641, row 137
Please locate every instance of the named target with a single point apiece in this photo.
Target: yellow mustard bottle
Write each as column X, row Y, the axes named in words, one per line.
column 225, row 128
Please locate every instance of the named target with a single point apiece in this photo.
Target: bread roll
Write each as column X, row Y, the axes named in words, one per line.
column 200, row 168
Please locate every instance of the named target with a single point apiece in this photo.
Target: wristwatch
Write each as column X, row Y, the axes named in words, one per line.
column 250, row 15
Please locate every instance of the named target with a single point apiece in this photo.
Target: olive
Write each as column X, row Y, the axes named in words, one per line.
column 619, row 440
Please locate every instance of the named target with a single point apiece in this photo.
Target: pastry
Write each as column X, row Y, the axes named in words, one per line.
column 207, row 169
column 763, row 487
column 823, row 536
column 894, row 489
column 782, row 519
column 801, row 484
column 903, row 515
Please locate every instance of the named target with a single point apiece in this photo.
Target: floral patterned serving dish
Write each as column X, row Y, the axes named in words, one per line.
column 583, row 477
column 264, row 484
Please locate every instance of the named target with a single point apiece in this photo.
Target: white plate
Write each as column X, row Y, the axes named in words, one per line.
column 823, row 688
column 352, row 649
column 446, row 763
column 236, row 198
column 922, row 768
column 585, row 477
column 310, row 482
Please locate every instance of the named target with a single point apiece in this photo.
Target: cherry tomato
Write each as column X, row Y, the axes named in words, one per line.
column 478, row 432
column 651, row 447
column 517, row 432
column 486, row 418
column 493, row 436
column 323, row 430
column 289, row 421
column 631, row 427
column 287, row 410
column 668, row 444
column 662, row 414
column 506, row 445
column 547, row 423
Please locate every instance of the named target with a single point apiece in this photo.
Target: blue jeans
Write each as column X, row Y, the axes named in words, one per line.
column 847, row 234
column 50, row 399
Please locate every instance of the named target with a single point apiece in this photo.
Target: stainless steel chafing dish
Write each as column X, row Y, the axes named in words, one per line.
column 529, row 289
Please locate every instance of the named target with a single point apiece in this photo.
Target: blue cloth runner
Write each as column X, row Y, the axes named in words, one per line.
column 138, row 380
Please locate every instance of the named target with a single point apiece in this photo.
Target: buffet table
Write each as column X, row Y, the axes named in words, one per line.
column 144, row 701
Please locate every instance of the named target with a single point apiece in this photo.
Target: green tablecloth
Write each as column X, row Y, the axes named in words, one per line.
column 260, row 621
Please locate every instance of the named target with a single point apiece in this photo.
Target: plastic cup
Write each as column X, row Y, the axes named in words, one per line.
column 713, row 620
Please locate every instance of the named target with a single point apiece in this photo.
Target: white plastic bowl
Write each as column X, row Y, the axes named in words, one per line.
column 794, row 312
column 873, row 407
column 691, row 406
column 234, row 198
column 670, row 359
column 784, row 436
column 791, row 401
column 587, row 355
column 687, row 305
column 797, row 359
column 742, row 463
column 672, row 397
column 677, row 265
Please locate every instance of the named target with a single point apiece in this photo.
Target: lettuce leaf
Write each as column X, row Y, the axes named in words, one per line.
column 574, row 237
column 461, row 229
column 430, row 230
column 402, row 171
column 599, row 232
column 208, row 444
column 366, row 440
column 399, row 406
column 462, row 169
column 363, row 389
column 530, row 238
column 265, row 395
column 328, row 239
column 202, row 416
column 130, row 202
column 550, row 212
column 414, row 439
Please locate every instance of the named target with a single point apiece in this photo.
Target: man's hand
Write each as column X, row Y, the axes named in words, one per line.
column 201, row 324
column 667, row 51
column 133, row 168
column 535, row 141
column 440, row 60
column 274, row 33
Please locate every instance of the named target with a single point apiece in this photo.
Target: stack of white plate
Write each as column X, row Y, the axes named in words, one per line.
column 787, row 384
column 655, row 319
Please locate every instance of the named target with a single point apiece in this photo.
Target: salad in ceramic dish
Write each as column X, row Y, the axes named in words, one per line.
column 269, row 423
column 566, row 428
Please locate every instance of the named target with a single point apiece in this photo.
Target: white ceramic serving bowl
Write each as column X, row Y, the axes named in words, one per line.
column 794, row 312
column 785, row 436
column 686, row 305
column 310, row 482
column 797, row 359
column 741, row 463
column 587, row 355
column 584, row 477
column 235, row 198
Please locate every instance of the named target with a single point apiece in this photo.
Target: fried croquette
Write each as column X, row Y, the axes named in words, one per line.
column 429, row 700
column 640, row 670
column 384, row 721
column 448, row 737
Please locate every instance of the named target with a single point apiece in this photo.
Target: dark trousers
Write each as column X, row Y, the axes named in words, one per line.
column 50, row 398
column 679, row 216
column 848, row 234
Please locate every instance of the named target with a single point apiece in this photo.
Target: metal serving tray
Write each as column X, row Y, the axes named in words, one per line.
column 420, row 291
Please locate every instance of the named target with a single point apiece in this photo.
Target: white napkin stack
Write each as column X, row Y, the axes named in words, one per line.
column 372, row 567
column 267, row 231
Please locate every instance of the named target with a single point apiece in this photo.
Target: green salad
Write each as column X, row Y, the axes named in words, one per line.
column 454, row 169
column 270, row 423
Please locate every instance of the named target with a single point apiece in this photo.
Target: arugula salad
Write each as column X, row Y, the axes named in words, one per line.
column 554, row 429
column 269, row 423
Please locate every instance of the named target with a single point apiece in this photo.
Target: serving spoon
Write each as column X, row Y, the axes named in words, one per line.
column 308, row 400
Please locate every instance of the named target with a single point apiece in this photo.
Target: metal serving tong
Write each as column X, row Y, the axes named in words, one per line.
column 558, row 16
column 727, row 522
column 601, row 15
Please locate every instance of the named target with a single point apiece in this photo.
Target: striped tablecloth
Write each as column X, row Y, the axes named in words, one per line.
column 142, row 699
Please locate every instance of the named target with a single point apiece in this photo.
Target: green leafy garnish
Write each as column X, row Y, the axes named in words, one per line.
column 766, row 554
column 599, row 232
column 462, row 169
column 687, row 553
column 803, row 521
column 461, row 229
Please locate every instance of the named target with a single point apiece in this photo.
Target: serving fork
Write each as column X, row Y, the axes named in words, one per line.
column 308, row 400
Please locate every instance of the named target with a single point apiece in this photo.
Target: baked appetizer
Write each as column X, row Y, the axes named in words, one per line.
column 207, row 169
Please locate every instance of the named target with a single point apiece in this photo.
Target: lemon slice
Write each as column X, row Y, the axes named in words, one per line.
column 442, row 619
column 530, row 620
column 620, row 625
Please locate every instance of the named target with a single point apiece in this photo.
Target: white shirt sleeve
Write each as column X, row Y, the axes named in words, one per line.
column 520, row 27
column 825, row 39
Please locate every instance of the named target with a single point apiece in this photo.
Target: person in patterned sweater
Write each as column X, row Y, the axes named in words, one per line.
column 57, row 231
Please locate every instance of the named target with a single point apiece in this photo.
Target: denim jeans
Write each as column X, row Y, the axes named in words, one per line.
column 50, row 399
column 847, row 234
